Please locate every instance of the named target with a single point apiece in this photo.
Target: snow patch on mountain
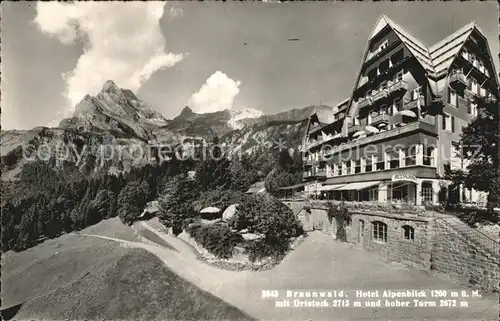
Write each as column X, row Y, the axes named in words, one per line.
column 238, row 115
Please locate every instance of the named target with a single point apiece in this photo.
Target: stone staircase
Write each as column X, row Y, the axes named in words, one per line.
column 465, row 254
column 484, row 243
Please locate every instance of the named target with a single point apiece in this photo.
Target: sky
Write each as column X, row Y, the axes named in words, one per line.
column 206, row 55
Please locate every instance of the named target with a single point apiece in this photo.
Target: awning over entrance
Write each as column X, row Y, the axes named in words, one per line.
column 358, row 186
column 293, row 186
column 331, row 187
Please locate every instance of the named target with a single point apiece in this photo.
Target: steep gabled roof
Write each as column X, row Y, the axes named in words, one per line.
column 444, row 52
column 436, row 59
column 415, row 46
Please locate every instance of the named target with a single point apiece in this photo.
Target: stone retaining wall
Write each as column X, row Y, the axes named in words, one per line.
column 436, row 246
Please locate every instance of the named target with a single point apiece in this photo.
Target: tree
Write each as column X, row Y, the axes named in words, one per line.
column 214, row 171
column 243, row 174
column 480, row 140
column 176, row 203
column 131, row 201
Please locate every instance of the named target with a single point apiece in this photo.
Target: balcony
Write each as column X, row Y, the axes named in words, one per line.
column 398, row 87
column 353, row 129
column 417, row 126
column 419, row 102
column 382, row 94
column 435, row 107
column 398, row 120
column 321, row 173
column 458, row 80
column 364, row 102
column 381, row 118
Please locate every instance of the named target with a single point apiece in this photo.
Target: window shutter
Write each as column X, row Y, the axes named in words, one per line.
column 452, row 124
column 443, row 123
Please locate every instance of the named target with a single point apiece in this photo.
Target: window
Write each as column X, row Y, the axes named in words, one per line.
column 474, row 86
column 368, row 166
column 452, row 97
column 448, row 123
column 427, row 192
column 383, row 45
column 473, row 108
column 384, row 65
column 379, row 163
column 398, row 105
column 393, row 159
column 428, row 159
column 379, row 231
column 408, row 232
column 369, row 119
column 356, row 120
column 410, row 156
column 357, row 166
column 346, row 168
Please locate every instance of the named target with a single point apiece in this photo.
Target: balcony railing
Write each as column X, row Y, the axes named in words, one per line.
column 397, row 87
column 414, row 103
column 398, row 119
column 364, row 102
column 413, row 126
column 382, row 94
column 380, row 118
column 307, row 174
column 321, row 173
column 458, row 79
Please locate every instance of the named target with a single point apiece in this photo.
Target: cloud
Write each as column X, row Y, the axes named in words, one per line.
column 122, row 41
column 216, row 94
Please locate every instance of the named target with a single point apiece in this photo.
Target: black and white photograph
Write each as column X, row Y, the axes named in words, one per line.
column 250, row 160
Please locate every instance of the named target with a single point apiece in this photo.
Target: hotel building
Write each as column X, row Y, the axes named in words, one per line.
column 392, row 138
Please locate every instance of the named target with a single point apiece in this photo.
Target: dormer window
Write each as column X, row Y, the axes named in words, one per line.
column 384, row 45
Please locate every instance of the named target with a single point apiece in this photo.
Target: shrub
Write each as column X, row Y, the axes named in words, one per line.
column 270, row 217
column 217, row 239
column 340, row 213
column 269, row 247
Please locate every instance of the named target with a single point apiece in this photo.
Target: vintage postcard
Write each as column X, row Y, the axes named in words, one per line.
column 250, row 160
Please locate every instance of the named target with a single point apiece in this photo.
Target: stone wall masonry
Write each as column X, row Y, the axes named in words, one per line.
column 415, row 253
column 456, row 255
column 438, row 246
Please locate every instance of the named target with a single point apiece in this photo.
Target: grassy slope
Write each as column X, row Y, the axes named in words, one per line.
column 91, row 278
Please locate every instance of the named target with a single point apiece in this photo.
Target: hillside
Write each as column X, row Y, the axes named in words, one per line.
column 76, row 277
column 113, row 131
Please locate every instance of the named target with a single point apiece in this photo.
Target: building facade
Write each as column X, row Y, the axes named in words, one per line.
column 391, row 140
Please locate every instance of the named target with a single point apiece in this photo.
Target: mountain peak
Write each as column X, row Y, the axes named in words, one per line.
column 186, row 112
column 110, row 86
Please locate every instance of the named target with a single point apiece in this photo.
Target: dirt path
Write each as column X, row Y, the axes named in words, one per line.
column 319, row 263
